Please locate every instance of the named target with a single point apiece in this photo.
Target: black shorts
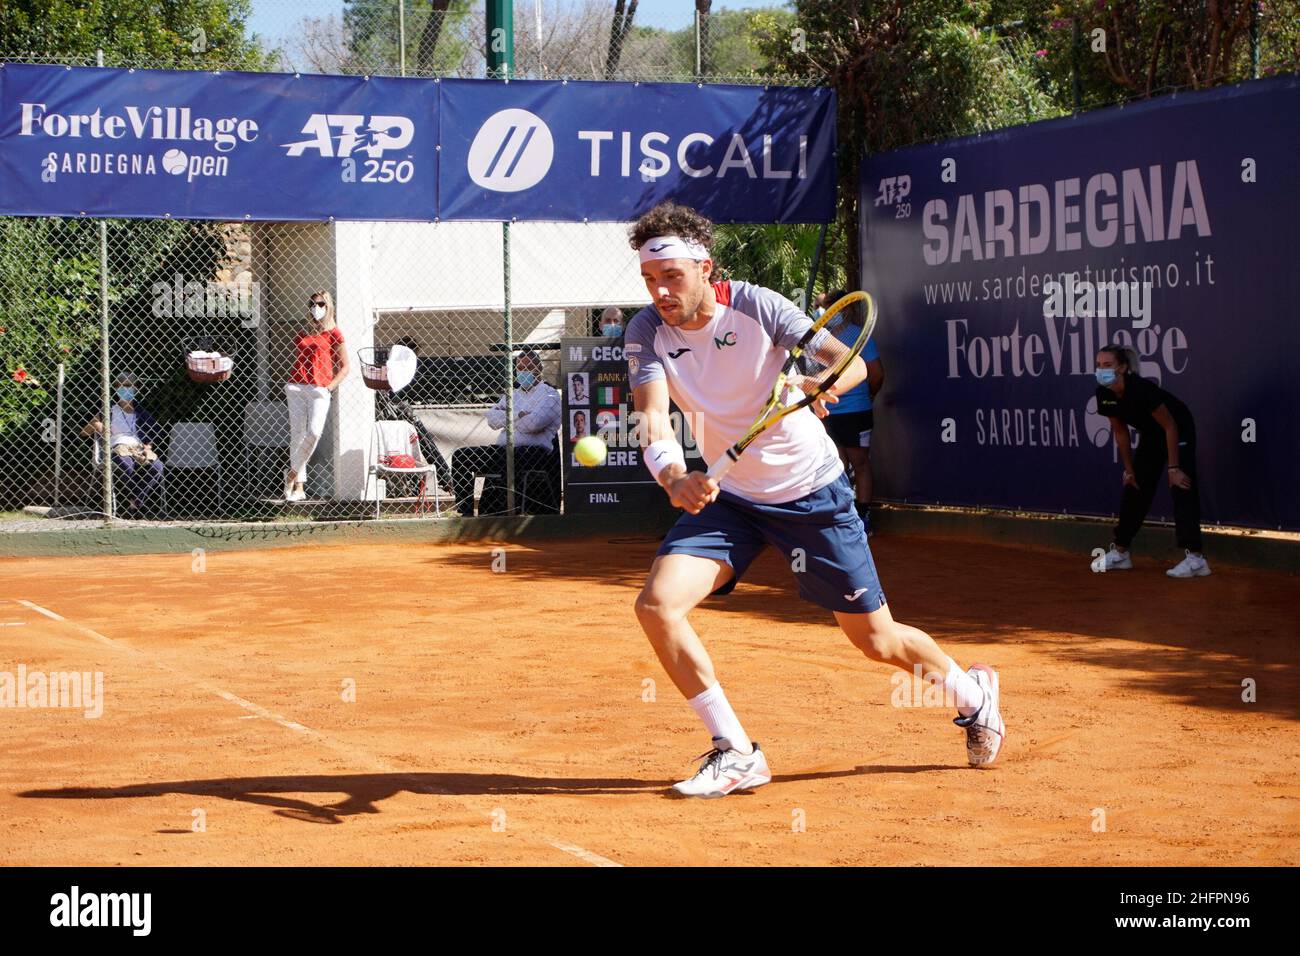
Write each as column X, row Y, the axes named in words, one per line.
column 851, row 429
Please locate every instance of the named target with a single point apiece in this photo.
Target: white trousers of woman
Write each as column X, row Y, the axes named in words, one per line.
column 309, row 406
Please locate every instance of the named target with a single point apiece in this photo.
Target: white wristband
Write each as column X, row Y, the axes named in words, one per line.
column 662, row 453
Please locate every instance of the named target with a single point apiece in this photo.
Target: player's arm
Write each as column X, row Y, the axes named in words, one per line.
column 545, row 416
column 875, row 377
column 341, row 364
column 496, row 415
column 1125, row 448
column 852, row 377
column 690, row 490
column 1177, row 477
column 827, row 353
column 787, row 324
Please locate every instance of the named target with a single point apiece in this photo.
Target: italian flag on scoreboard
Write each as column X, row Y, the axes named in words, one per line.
column 607, row 395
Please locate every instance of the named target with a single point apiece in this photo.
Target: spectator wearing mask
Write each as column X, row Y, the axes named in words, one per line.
column 537, row 420
column 132, row 431
column 320, row 366
column 611, row 322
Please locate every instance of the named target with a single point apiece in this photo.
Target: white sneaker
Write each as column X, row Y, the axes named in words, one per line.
column 288, row 485
column 985, row 730
column 296, row 495
column 1113, row 560
column 1192, row 566
column 725, row 770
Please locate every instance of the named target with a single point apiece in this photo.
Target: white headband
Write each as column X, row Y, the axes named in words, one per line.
column 672, row 247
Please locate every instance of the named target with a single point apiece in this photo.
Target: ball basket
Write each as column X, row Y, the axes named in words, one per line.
column 208, row 368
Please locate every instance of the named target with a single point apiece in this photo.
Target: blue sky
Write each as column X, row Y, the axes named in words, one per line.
column 275, row 18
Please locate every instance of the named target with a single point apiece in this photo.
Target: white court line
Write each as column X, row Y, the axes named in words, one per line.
column 256, row 710
column 12, row 623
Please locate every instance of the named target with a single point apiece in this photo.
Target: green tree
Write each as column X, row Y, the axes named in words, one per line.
column 904, row 71
column 373, row 30
column 175, row 34
column 778, row 257
column 1124, row 49
column 49, row 267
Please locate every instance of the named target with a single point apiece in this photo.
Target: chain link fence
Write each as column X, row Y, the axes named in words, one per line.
column 204, row 319
column 196, row 378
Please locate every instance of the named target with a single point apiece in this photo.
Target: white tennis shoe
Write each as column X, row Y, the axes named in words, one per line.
column 725, row 770
column 1192, row 566
column 985, row 730
column 1113, row 560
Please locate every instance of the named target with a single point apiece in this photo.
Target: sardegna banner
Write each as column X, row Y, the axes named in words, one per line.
column 1002, row 262
column 80, row 141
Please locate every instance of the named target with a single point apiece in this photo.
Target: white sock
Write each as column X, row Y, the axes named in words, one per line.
column 966, row 689
column 712, row 708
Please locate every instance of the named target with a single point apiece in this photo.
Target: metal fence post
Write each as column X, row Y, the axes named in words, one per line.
column 508, row 333
column 501, row 64
column 105, row 401
column 58, row 434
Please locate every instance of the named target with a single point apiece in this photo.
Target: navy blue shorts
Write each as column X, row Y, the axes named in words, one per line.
column 820, row 536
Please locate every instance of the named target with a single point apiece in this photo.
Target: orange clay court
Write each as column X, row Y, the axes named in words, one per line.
column 501, row 718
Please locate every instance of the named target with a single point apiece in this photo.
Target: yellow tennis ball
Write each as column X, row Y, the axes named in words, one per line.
column 589, row 450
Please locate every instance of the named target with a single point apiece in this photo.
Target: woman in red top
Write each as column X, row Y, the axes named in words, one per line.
column 320, row 365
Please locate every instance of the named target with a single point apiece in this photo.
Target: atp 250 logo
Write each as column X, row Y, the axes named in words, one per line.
column 893, row 191
column 340, row 135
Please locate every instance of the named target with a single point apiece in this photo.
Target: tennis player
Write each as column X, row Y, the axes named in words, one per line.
column 716, row 349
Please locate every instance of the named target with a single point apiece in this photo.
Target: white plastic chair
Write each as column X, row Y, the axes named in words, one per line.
column 193, row 445
column 389, row 439
column 266, row 443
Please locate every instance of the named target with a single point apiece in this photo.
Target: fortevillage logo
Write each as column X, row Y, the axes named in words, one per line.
column 87, row 143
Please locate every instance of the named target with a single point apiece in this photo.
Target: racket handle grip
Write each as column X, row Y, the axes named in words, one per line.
column 722, row 466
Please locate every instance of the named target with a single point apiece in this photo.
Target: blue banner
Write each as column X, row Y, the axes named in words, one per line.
column 156, row 143
column 610, row 151
column 153, row 143
column 1002, row 262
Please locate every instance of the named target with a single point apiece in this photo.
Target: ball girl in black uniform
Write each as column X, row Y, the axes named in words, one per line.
column 1166, row 451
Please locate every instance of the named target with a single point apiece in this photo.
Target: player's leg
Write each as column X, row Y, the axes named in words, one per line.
column 863, row 475
column 297, row 405
column 703, row 554
column 975, row 692
column 1148, row 468
column 857, row 457
column 834, row 569
column 676, row 584
column 317, row 401
column 1187, row 516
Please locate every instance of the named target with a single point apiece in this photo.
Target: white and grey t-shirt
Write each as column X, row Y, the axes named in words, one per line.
column 722, row 376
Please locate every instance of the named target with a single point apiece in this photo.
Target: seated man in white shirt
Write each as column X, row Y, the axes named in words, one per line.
column 132, row 431
column 537, row 419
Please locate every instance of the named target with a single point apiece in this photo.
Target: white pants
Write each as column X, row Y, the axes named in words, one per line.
column 309, row 406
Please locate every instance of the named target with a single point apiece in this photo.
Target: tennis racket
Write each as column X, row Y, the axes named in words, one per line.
column 814, row 365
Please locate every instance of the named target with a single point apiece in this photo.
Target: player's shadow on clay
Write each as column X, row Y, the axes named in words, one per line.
column 362, row 793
